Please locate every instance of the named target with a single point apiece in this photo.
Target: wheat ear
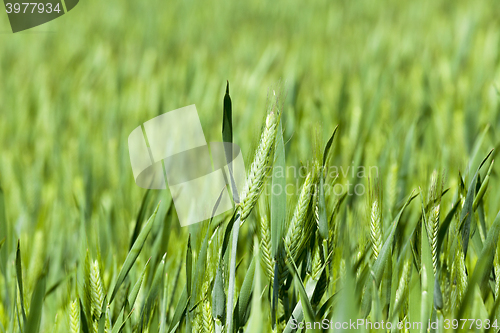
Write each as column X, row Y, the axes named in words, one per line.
column 404, row 282
column 433, row 221
column 496, row 266
column 265, row 247
column 433, row 234
column 208, row 321
column 459, row 275
column 375, row 228
column 375, row 216
column 295, row 234
column 261, row 164
column 74, row 317
column 97, row 293
column 316, row 264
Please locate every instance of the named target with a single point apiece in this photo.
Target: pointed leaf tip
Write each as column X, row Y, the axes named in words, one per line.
column 328, row 145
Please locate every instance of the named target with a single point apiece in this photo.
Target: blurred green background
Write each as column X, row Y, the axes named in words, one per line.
column 73, row 89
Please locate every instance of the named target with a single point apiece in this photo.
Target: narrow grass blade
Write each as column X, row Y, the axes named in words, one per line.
column 255, row 321
column 244, row 296
column 278, row 198
column 133, row 254
column 381, row 261
column 189, row 271
column 163, row 307
column 425, row 247
column 232, row 271
column 400, row 280
column 379, row 265
column 427, row 274
column 278, row 210
column 488, row 253
column 189, row 266
column 443, row 228
column 304, row 299
column 135, row 290
column 483, row 266
column 166, row 228
column 483, row 188
column 180, row 311
column 328, row 146
column 415, row 301
column 19, row 273
column 199, row 273
column 349, row 309
column 227, row 136
column 478, row 143
column 17, row 316
column 438, row 295
column 120, row 325
column 327, row 306
column 232, row 276
column 424, row 306
column 102, row 318
column 161, row 240
column 227, row 233
column 218, row 295
column 83, row 319
column 139, row 219
column 493, row 313
column 467, row 212
column 4, row 234
column 157, row 285
column 227, row 119
column 35, row 315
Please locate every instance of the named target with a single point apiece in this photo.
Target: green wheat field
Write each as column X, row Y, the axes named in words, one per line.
column 380, row 118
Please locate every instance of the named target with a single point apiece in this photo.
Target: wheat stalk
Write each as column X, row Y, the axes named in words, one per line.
column 120, row 300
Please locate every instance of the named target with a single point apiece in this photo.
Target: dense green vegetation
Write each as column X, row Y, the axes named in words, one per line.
column 412, row 86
